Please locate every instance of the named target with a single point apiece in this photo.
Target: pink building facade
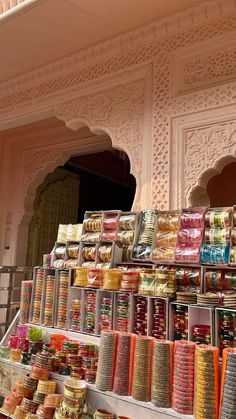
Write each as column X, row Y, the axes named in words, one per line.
column 165, row 93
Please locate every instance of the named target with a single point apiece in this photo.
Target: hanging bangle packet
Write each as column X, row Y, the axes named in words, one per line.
column 190, row 235
column 232, row 257
column 92, row 226
column 166, row 236
column 110, row 225
column 146, row 231
column 215, row 247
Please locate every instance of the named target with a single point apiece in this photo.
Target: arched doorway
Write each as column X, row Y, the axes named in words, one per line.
column 93, row 181
column 217, row 186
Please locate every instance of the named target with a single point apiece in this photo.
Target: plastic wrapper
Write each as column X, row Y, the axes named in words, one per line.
column 192, row 218
column 72, row 250
column 130, row 281
column 166, row 236
column 105, row 253
column 127, row 222
column 187, row 254
column 218, row 217
column 217, row 235
column 213, row 254
column 127, row 253
column 110, row 225
column 146, row 230
column 126, row 237
column 147, row 282
column 210, row 298
column 95, row 278
column 91, row 237
column 59, row 251
column 112, row 279
column 58, row 263
column 165, row 282
column 67, row 232
column 80, row 277
column 70, row 263
column 190, row 237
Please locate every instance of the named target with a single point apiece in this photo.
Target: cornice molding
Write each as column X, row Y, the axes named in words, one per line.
column 155, row 31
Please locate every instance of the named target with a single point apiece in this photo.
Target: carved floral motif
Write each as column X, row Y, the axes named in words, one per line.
column 204, row 148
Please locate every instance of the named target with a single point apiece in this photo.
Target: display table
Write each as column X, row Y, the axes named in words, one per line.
column 123, row 405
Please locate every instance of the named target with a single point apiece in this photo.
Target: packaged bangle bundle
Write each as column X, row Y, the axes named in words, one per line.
column 110, row 225
column 228, row 385
column 87, row 255
column 37, row 295
column 210, row 298
column 147, row 282
column 165, row 281
column 106, row 361
column 75, row 314
column 180, row 313
column 166, row 236
column 183, row 382
column 228, row 298
column 112, row 279
column 126, row 228
column 95, row 278
column 127, row 253
column 190, row 233
column 162, row 373
column 80, row 277
column 104, row 256
column 201, row 334
column 72, row 250
column 232, row 256
column 141, row 386
column 227, row 329
column 146, row 232
column 69, row 232
column 122, row 312
column 188, row 284
column 130, row 281
column 159, row 320
column 106, row 317
column 59, row 255
column 140, row 315
column 90, row 311
column 215, row 248
column 63, row 285
column 49, row 299
column 122, row 385
column 92, row 226
column 25, row 298
column 206, row 382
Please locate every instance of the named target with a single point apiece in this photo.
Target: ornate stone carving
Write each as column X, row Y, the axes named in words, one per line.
column 33, row 161
column 214, row 63
column 119, row 112
column 205, row 147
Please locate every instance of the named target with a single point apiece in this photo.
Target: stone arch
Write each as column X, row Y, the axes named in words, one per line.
column 199, row 195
